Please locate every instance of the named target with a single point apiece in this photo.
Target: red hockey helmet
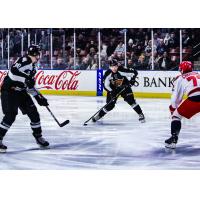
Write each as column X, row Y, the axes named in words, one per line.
column 185, row 67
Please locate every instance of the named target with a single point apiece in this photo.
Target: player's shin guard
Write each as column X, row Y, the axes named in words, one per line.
column 99, row 115
column 3, row 130
column 4, row 127
column 175, row 127
column 6, row 124
column 37, row 130
column 175, row 130
column 138, row 110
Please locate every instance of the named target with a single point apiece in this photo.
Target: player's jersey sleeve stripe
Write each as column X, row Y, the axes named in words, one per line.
column 107, row 79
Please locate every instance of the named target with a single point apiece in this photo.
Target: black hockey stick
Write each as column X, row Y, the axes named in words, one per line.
column 59, row 124
column 86, row 122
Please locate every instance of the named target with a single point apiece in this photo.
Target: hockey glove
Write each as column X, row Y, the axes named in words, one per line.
column 132, row 81
column 171, row 109
column 42, row 101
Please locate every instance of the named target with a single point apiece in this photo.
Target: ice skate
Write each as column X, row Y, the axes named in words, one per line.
column 95, row 118
column 171, row 142
column 141, row 118
column 42, row 142
column 3, row 148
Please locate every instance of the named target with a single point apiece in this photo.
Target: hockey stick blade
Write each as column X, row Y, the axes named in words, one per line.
column 64, row 123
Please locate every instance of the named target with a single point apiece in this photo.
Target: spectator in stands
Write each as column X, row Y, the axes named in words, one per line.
column 111, row 48
column 81, row 42
column 163, row 62
column 138, row 49
column 148, row 49
column 130, row 46
column 17, row 43
column 152, row 61
column 166, row 39
column 121, row 59
column 92, row 45
column 142, row 63
column 130, row 64
column 156, row 39
column 120, row 48
column 85, row 64
column 146, row 41
column 104, row 51
column 59, row 64
column 133, row 57
column 104, row 64
column 186, row 41
column 172, row 42
column 93, row 62
column 161, row 48
column 71, row 63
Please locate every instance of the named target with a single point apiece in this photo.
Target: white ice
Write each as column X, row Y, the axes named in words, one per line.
column 119, row 141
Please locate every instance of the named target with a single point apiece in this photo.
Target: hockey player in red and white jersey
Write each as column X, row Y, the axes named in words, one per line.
column 188, row 83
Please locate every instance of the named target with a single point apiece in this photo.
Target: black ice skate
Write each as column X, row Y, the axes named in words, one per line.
column 141, row 118
column 3, row 148
column 42, row 142
column 96, row 118
column 171, row 142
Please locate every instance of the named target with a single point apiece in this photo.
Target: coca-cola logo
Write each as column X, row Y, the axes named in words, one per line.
column 65, row 80
column 2, row 76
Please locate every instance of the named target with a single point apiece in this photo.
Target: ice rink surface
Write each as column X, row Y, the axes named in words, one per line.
column 119, row 141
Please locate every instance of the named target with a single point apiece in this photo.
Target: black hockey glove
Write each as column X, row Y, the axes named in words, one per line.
column 132, row 81
column 42, row 101
column 30, row 82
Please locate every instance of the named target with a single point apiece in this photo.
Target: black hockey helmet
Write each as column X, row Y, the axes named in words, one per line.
column 113, row 62
column 34, row 50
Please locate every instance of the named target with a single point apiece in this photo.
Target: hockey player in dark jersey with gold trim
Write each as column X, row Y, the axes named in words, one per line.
column 15, row 90
column 115, row 79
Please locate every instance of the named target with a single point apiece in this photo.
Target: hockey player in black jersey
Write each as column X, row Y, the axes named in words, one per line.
column 116, row 79
column 15, row 90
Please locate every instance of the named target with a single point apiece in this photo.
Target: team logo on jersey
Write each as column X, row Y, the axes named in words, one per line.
column 117, row 82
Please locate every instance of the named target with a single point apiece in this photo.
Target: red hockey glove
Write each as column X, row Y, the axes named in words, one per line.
column 171, row 109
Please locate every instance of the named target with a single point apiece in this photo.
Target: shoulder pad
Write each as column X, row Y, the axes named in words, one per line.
column 177, row 77
column 24, row 59
column 107, row 73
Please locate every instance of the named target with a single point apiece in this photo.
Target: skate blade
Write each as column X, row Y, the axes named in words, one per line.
column 43, row 147
column 170, row 146
column 3, row 150
column 142, row 121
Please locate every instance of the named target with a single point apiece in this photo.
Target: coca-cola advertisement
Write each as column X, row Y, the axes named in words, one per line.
column 72, row 80
column 64, row 80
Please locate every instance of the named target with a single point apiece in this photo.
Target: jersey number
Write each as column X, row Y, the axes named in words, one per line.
column 194, row 79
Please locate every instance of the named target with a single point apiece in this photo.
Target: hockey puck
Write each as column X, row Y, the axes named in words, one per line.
column 84, row 124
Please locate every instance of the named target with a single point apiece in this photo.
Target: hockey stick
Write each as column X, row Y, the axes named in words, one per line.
column 86, row 122
column 59, row 124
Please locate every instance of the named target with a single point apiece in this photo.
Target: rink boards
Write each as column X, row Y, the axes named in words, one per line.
column 149, row 84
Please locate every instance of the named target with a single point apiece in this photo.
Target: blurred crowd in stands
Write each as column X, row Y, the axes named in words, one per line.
column 84, row 47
